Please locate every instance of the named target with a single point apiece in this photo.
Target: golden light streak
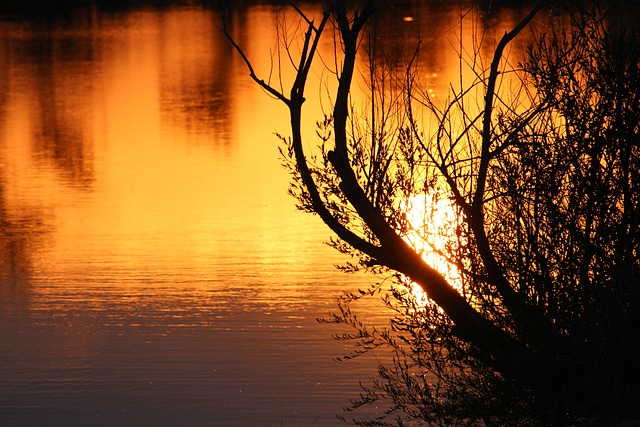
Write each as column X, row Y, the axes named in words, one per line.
column 432, row 232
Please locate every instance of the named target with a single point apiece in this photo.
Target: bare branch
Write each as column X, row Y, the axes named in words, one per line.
column 488, row 103
column 252, row 73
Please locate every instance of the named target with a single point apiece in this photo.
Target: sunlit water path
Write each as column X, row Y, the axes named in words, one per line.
column 153, row 270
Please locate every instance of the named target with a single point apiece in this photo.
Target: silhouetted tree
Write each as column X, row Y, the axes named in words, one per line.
column 533, row 317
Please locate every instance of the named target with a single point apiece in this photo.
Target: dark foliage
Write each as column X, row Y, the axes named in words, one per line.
column 533, row 299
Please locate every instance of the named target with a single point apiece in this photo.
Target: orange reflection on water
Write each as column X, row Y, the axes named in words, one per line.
column 110, row 107
column 139, row 139
column 145, row 232
column 147, row 154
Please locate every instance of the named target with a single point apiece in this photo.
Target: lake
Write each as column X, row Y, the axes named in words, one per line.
column 153, row 269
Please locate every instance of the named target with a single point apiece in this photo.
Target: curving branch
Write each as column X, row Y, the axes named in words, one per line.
column 531, row 324
column 263, row 84
column 398, row 254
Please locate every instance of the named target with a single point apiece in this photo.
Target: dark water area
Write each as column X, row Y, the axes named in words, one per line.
column 153, row 270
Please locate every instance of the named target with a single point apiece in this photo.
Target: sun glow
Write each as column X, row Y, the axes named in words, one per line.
column 432, row 230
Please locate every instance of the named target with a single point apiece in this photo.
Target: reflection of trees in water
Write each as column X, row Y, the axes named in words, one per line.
column 48, row 73
column 438, row 28
column 52, row 100
column 53, row 66
column 21, row 231
column 63, row 84
column 195, row 75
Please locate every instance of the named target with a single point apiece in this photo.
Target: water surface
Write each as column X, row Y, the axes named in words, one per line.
column 152, row 268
